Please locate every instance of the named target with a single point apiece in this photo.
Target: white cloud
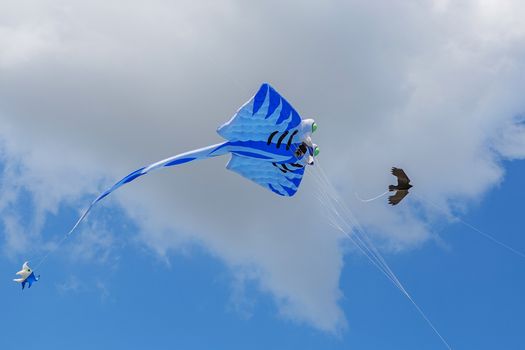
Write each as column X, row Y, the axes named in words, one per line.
column 90, row 91
column 94, row 244
column 71, row 285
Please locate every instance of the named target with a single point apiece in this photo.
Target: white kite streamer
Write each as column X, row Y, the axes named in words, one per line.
column 370, row 199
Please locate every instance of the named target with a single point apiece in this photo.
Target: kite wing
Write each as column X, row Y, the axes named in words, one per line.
column 402, row 178
column 263, row 114
column 25, row 269
column 269, row 175
column 397, row 197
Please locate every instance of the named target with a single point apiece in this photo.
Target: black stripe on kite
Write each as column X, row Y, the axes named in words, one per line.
column 289, row 143
column 275, row 165
column 271, row 137
column 281, row 138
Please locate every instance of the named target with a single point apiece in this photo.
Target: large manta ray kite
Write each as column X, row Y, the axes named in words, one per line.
column 269, row 142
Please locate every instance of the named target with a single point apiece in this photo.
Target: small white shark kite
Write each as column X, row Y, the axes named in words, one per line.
column 27, row 276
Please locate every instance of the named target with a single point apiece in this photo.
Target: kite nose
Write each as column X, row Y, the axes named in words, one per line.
column 310, row 160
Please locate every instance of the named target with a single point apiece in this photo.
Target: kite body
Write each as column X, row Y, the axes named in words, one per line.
column 27, row 276
column 402, row 187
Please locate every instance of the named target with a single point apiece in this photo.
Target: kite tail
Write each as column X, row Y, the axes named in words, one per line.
column 370, row 199
column 201, row 153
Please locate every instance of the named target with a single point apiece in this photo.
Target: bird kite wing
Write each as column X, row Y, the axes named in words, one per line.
column 282, row 179
column 402, row 178
column 397, row 197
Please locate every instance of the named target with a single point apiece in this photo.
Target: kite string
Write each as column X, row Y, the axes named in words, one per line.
column 389, row 273
column 354, row 222
column 41, row 261
column 66, row 236
column 366, row 246
column 371, row 251
column 368, row 250
column 357, row 242
column 367, row 241
column 472, row 227
column 362, row 239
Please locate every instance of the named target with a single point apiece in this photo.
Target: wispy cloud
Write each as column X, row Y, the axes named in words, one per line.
column 93, row 244
column 71, row 285
column 103, row 290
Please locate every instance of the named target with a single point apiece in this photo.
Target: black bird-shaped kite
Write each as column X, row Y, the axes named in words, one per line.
column 403, row 185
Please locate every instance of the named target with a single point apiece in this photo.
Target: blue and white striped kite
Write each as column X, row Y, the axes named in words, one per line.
column 269, row 142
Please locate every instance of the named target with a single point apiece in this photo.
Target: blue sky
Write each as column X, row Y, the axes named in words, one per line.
column 198, row 257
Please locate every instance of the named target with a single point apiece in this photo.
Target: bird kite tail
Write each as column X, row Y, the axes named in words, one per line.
column 391, row 188
column 369, row 199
